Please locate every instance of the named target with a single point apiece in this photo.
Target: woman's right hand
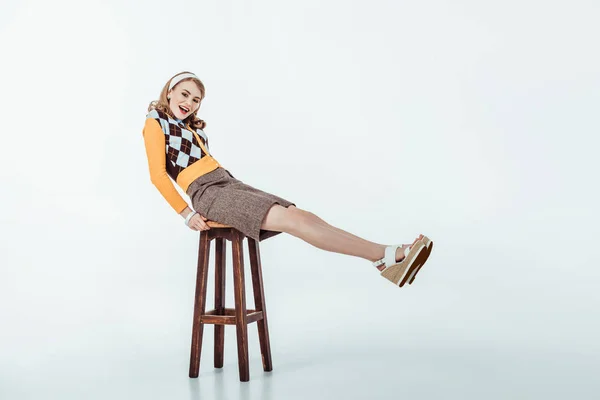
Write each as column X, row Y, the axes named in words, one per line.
column 197, row 223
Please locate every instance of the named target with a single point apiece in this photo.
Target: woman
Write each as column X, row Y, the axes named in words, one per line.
column 177, row 148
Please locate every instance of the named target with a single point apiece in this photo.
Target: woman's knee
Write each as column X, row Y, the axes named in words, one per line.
column 299, row 219
column 302, row 214
column 284, row 219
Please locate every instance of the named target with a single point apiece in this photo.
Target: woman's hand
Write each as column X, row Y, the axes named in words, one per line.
column 197, row 223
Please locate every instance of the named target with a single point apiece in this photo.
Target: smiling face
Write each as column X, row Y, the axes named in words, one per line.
column 184, row 99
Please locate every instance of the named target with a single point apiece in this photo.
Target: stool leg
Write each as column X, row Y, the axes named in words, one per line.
column 199, row 304
column 219, row 300
column 260, row 304
column 240, row 306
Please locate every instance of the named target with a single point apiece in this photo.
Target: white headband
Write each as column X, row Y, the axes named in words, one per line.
column 179, row 78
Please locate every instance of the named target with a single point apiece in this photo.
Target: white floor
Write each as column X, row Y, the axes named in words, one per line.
column 333, row 368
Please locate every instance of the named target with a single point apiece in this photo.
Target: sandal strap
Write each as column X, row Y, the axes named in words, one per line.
column 378, row 263
column 389, row 257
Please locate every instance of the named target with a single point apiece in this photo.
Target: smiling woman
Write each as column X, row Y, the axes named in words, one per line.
column 181, row 98
column 177, row 148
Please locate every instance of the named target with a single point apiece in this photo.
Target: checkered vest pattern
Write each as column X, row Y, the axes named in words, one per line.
column 181, row 146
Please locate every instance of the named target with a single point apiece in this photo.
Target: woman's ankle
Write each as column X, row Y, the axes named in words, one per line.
column 378, row 253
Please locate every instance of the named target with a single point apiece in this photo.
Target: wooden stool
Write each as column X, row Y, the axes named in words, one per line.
column 220, row 316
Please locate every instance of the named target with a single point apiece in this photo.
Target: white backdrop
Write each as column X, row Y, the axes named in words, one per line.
column 476, row 124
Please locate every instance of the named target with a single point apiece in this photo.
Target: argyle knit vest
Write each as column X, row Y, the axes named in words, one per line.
column 181, row 146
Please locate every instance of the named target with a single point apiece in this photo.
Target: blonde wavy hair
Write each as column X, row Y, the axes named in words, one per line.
column 162, row 104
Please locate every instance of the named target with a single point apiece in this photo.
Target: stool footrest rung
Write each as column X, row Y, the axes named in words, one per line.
column 227, row 317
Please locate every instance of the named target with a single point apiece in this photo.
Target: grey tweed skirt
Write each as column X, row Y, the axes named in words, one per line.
column 220, row 197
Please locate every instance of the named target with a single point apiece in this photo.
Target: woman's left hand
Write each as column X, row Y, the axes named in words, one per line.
column 197, row 223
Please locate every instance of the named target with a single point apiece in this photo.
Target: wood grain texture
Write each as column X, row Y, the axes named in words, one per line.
column 260, row 304
column 199, row 305
column 240, row 306
column 220, row 319
column 220, row 245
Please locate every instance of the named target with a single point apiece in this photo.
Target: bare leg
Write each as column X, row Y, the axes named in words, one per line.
column 312, row 229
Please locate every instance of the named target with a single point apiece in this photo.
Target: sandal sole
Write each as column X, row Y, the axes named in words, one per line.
column 417, row 263
column 429, row 248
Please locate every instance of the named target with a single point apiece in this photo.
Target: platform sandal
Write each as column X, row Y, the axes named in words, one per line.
column 398, row 272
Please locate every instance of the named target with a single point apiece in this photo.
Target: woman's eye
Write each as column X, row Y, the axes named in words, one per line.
column 185, row 95
column 196, row 101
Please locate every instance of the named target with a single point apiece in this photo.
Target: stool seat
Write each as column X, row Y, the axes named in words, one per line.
column 220, row 316
column 214, row 224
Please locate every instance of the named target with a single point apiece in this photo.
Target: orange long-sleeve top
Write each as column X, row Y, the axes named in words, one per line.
column 175, row 152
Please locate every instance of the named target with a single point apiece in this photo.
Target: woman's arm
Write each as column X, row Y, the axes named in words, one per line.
column 154, row 140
